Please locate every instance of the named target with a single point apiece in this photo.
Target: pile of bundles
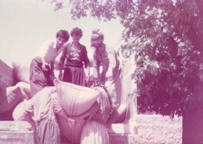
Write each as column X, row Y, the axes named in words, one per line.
column 14, row 88
column 80, row 112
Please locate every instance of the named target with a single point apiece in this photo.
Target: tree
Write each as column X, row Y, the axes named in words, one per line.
column 166, row 39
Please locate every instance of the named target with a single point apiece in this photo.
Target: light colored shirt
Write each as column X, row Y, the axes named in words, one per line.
column 49, row 51
column 40, row 106
column 102, row 61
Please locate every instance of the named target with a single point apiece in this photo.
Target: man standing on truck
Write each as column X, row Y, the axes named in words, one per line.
column 104, row 62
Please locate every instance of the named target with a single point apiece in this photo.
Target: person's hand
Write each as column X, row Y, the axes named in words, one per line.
column 60, row 75
column 45, row 66
column 109, row 75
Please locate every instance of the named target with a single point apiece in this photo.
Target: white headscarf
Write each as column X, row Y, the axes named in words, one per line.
column 96, row 33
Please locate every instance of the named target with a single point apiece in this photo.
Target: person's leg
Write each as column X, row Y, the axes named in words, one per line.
column 39, row 78
column 48, row 132
column 67, row 77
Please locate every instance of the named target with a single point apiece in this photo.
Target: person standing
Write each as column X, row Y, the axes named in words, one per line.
column 42, row 65
column 104, row 62
column 74, row 59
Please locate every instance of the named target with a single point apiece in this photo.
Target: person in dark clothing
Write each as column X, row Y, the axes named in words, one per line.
column 73, row 60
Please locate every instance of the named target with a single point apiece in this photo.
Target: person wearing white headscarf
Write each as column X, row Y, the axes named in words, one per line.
column 104, row 59
column 104, row 63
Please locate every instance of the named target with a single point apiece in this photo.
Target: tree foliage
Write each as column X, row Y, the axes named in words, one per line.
column 165, row 38
column 168, row 53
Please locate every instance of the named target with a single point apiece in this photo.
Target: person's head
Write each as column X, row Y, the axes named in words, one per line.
column 97, row 38
column 76, row 34
column 62, row 36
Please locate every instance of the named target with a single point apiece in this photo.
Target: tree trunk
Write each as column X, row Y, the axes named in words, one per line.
column 193, row 125
column 193, row 116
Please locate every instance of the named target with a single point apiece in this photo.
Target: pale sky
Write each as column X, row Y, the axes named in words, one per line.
column 26, row 24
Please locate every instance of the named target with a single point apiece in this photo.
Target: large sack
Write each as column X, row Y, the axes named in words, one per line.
column 13, row 96
column 78, row 106
column 21, row 72
column 71, row 127
column 6, row 80
column 74, row 99
column 6, row 76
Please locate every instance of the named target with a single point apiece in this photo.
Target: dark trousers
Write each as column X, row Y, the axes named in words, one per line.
column 39, row 78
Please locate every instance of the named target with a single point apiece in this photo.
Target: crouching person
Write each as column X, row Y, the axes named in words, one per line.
column 39, row 112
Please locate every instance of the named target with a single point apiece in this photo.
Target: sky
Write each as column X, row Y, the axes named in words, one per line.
column 26, row 24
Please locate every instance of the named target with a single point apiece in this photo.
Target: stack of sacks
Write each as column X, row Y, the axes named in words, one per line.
column 18, row 91
column 14, row 95
column 6, row 80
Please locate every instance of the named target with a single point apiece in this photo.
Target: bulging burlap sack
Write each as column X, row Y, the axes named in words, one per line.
column 71, row 127
column 74, row 99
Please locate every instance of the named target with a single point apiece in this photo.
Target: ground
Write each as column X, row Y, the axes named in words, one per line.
column 153, row 129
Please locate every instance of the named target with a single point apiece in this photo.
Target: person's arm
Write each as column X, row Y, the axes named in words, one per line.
column 94, row 67
column 86, row 61
column 62, row 58
column 61, row 62
column 42, row 53
column 45, row 65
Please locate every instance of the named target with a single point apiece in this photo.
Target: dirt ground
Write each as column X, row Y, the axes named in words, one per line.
column 158, row 129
